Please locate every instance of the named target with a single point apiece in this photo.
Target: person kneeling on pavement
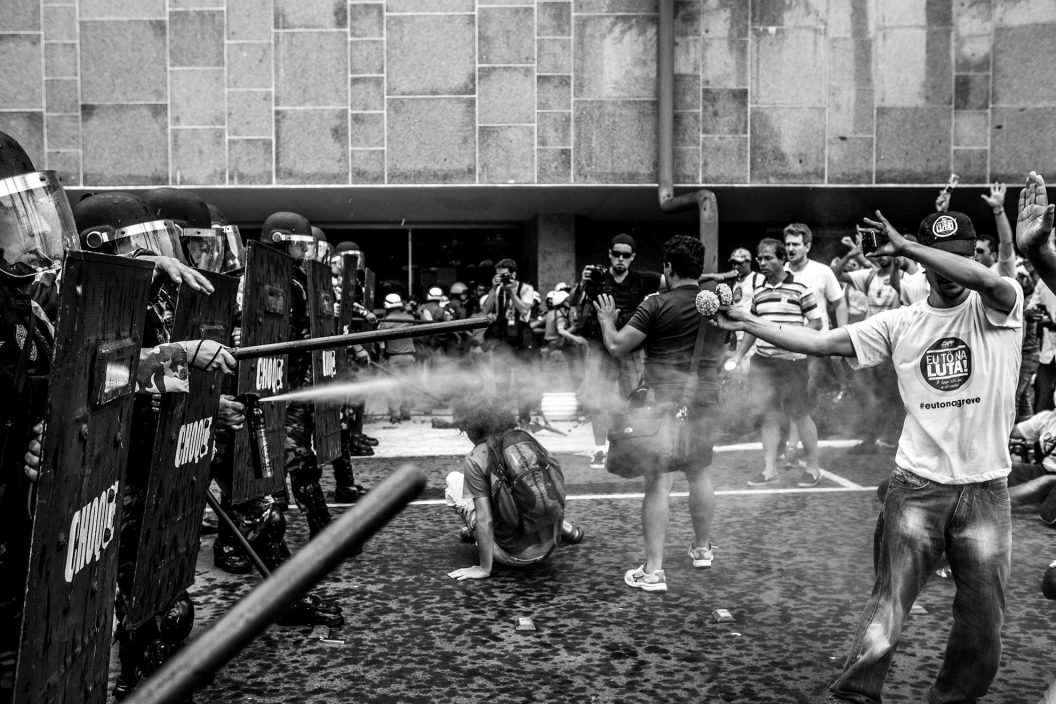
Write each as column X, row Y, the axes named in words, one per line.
column 512, row 494
column 1032, row 483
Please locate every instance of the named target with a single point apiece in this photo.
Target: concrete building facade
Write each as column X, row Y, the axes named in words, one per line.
column 532, row 115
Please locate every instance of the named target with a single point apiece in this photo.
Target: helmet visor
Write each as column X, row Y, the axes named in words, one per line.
column 342, row 260
column 320, row 251
column 159, row 237
column 36, row 223
column 234, row 250
column 204, row 248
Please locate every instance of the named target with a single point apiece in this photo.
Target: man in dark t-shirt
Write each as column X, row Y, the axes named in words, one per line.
column 665, row 327
column 609, row 381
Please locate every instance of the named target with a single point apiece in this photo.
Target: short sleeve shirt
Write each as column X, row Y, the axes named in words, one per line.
column 670, row 321
column 788, row 302
column 957, row 371
column 877, row 287
column 822, row 282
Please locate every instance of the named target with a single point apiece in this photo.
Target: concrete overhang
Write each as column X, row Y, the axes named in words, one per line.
column 490, row 205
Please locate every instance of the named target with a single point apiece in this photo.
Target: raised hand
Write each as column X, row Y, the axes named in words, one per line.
column 996, row 199
column 1034, row 221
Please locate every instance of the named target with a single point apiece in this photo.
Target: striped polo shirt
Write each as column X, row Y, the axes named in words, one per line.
column 788, row 303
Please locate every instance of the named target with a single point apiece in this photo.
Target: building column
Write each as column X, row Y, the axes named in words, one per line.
column 555, row 243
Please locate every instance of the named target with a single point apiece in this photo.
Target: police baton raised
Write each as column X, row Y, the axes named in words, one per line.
column 197, row 662
column 358, row 338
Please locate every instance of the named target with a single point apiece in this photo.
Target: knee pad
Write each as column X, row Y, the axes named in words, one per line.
column 303, row 470
column 177, row 621
column 273, row 527
column 1048, row 582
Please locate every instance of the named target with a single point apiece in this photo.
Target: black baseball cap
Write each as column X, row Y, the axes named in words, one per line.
column 951, row 231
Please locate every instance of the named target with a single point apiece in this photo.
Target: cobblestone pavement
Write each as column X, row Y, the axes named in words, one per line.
column 793, row 567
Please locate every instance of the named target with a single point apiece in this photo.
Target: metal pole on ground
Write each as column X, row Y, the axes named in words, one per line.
column 194, row 665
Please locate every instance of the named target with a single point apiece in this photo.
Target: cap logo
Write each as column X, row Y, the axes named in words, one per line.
column 944, row 226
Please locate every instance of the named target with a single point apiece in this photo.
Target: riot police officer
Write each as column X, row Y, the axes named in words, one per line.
column 167, row 222
column 292, row 233
column 354, row 442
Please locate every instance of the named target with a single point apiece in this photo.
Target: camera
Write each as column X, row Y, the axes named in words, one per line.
column 872, row 240
column 593, row 281
column 505, row 277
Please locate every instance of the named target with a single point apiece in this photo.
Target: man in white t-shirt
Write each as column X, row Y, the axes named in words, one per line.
column 956, row 355
column 828, row 294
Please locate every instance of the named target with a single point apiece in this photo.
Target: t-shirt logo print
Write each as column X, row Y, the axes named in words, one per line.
column 947, row 364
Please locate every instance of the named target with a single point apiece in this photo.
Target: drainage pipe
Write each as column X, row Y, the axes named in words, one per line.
column 703, row 200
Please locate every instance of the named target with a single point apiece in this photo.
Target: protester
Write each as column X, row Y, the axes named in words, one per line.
column 778, row 377
column 957, row 358
column 492, row 516
column 665, row 326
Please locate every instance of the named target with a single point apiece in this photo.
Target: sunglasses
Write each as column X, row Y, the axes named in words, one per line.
column 621, row 255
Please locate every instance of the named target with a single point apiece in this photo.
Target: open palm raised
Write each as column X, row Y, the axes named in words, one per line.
column 1034, row 222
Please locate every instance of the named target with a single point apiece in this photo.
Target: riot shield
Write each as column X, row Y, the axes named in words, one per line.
column 178, row 479
column 326, row 433
column 265, row 319
column 368, row 290
column 64, row 650
column 345, row 323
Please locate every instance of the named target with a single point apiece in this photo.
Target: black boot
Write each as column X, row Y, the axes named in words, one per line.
column 347, row 491
column 230, row 557
column 312, row 502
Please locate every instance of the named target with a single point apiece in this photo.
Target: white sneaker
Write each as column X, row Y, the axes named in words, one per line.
column 702, row 557
column 646, row 581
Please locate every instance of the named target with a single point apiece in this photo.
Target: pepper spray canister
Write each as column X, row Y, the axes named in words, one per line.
column 259, row 450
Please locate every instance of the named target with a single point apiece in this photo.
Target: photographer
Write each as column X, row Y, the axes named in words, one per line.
column 509, row 337
column 608, row 381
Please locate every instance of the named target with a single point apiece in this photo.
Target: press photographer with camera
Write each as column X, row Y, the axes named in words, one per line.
column 608, row 381
column 509, row 337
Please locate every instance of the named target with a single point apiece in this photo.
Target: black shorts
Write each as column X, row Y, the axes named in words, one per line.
column 779, row 384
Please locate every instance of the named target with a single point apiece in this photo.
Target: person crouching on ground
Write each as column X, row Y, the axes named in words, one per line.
column 492, row 515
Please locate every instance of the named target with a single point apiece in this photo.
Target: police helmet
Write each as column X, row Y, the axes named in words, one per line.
column 349, row 247
column 435, row 294
column 458, row 288
column 36, row 222
column 202, row 245
column 116, row 222
column 284, row 230
column 393, row 301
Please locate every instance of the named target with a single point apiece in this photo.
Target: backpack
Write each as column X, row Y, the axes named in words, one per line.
column 531, row 478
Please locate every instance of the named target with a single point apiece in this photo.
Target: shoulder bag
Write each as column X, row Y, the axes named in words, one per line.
column 649, row 436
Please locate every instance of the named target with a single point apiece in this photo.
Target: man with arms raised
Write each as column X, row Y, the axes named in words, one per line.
column 956, row 355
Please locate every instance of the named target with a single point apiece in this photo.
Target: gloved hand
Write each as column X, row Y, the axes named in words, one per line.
column 230, row 413
column 32, row 456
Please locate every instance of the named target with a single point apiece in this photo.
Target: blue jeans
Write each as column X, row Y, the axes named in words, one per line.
column 919, row 521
